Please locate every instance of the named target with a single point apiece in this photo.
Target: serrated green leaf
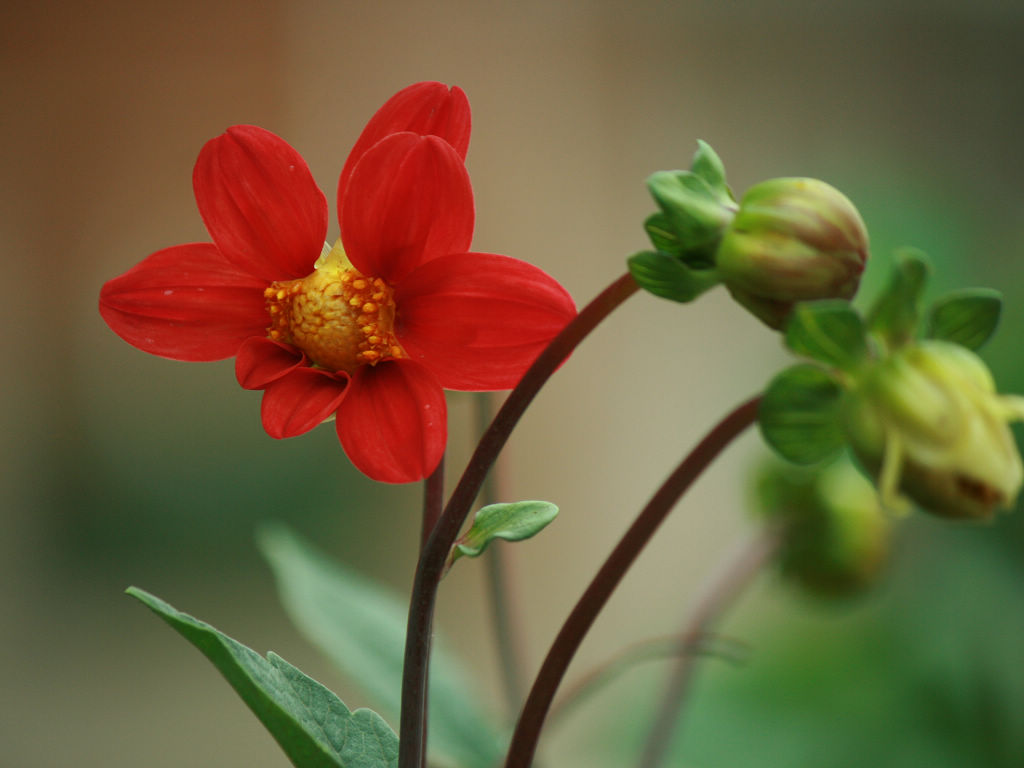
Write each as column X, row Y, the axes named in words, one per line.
column 967, row 317
column 313, row 726
column 896, row 313
column 668, row 277
column 829, row 331
column 360, row 626
column 708, row 166
column 799, row 414
column 512, row 522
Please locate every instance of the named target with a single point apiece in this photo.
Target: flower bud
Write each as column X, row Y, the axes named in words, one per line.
column 833, row 537
column 927, row 421
column 792, row 240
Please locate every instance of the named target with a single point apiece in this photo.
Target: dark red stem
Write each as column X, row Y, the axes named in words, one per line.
column 527, row 732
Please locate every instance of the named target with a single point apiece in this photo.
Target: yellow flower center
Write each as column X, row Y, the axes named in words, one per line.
column 340, row 318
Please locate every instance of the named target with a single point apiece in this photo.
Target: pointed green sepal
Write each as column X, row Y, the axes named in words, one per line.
column 967, row 317
column 313, row 726
column 668, row 277
column 896, row 313
column 511, row 522
column 829, row 331
column 799, row 414
column 708, row 166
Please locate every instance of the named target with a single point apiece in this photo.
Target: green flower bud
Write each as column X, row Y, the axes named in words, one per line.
column 928, row 423
column 834, row 537
column 792, row 240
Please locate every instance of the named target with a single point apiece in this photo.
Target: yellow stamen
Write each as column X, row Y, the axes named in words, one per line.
column 338, row 317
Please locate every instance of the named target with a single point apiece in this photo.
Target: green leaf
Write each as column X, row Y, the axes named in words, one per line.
column 360, row 627
column 511, row 522
column 708, row 166
column 896, row 313
column 967, row 317
column 829, row 331
column 668, row 277
column 312, row 725
column 799, row 414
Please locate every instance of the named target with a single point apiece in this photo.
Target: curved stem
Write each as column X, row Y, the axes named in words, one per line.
column 527, row 732
column 432, row 558
column 721, row 591
column 433, row 500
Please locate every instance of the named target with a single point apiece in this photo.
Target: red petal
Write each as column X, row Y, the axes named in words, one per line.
column 260, row 203
column 393, row 424
column 185, row 303
column 409, row 200
column 301, row 400
column 478, row 320
column 423, row 108
column 261, row 360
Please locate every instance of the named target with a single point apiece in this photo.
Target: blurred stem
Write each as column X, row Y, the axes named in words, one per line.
column 433, row 555
column 720, row 592
column 504, row 606
column 652, row 649
column 575, row 628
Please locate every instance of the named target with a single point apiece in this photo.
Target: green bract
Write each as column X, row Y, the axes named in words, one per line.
column 799, row 414
column 968, row 317
column 695, row 208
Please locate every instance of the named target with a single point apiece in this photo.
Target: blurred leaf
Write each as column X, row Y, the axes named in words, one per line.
column 799, row 414
column 312, row 725
column 896, row 312
column 967, row 317
column 668, row 277
column 512, row 522
column 830, row 332
column 361, row 627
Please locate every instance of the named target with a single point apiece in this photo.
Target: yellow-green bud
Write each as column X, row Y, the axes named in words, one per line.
column 792, row 240
column 834, row 537
column 928, row 422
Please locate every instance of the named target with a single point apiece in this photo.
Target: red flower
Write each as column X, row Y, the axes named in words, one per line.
column 368, row 330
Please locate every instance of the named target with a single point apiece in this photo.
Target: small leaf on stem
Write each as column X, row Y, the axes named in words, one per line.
column 511, row 522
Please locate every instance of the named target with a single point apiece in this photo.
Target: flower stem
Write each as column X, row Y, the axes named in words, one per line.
column 720, row 592
column 527, row 732
column 430, row 568
column 433, row 500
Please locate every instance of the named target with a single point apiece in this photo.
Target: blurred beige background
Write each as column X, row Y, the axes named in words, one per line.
column 119, row 468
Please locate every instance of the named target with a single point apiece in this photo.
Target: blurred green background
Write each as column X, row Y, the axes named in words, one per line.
column 119, row 468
